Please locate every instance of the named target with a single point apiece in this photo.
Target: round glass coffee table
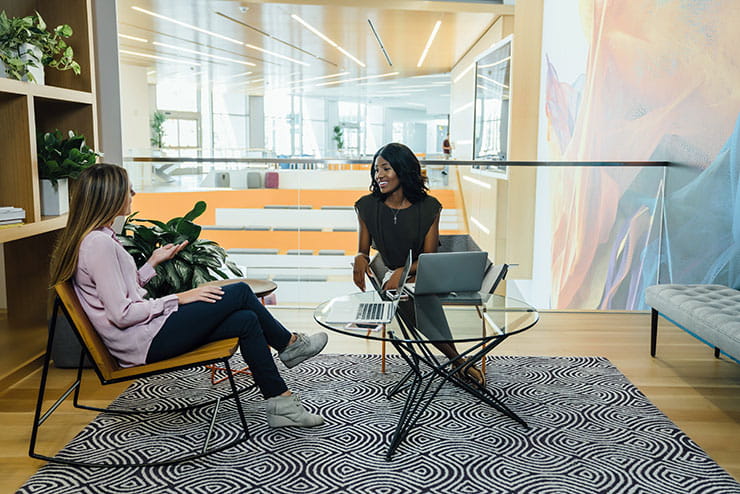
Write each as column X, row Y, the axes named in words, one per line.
column 478, row 324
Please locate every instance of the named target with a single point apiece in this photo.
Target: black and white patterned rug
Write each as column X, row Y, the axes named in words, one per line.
column 591, row 431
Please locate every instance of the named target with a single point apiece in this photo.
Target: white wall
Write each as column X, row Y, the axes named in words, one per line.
column 135, row 111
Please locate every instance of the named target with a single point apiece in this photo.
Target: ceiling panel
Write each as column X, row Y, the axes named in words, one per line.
column 403, row 26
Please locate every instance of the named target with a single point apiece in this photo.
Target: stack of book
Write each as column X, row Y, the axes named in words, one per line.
column 11, row 216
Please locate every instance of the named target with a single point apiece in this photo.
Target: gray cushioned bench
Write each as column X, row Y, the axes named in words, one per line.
column 710, row 313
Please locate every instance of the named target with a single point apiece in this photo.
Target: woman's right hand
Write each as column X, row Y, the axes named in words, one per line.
column 361, row 266
column 211, row 294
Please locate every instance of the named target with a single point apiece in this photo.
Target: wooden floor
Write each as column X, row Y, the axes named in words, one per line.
column 699, row 393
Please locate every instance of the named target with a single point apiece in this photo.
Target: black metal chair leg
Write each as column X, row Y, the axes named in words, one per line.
column 653, row 331
column 42, row 385
column 716, row 352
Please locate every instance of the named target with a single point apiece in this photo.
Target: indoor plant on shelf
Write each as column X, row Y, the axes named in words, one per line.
column 200, row 261
column 26, row 46
column 60, row 159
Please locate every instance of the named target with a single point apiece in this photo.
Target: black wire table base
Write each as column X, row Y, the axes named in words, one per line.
column 428, row 373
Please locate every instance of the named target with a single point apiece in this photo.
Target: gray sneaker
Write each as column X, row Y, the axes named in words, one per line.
column 287, row 411
column 303, row 348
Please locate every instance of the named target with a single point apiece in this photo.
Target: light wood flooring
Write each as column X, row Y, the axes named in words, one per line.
column 698, row 392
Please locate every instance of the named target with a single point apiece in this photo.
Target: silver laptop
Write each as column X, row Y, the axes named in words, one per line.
column 347, row 310
column 446, row 272
column 495, row 274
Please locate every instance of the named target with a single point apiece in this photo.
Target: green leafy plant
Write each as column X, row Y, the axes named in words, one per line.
column 16, row 33
column 200, row 261
column 61, row 157
column 156, row 122
column 339, row 137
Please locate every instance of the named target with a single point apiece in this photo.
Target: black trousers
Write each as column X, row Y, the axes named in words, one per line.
column 238, row 314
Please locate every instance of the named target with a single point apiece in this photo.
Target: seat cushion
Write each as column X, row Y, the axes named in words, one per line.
column 712, row 312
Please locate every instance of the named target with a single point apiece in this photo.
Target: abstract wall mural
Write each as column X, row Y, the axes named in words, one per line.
column 636, row 81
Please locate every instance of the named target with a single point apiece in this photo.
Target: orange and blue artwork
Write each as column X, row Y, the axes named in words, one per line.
column 640, row 81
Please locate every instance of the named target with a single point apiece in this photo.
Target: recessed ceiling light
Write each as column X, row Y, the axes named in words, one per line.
column 185, row 24
column 358, row 79
column 133, row 38
column 275, row 54
column 217, row 57
column 158, row 57
column 325, row 38
column 429, row 43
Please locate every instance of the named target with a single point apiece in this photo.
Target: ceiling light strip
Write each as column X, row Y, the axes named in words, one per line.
column 133, row 38
column 196, row 52
column 429, row 43
column 326, row 38
column 185, row 24
column 340, row 74
column 275, row 54
column 492, row 81
column 461, row 74
column 263, row 33
column 380, row 43
column 358, row 79
column 480, row 225
column 158, row 57
column 495, row 63
column 475, row 181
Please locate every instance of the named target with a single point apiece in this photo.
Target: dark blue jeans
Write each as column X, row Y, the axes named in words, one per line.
column 238, row 314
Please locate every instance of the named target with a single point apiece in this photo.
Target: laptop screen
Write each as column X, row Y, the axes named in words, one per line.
column 404, row 276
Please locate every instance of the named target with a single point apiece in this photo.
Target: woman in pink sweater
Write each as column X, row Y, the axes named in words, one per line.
column 137, row 330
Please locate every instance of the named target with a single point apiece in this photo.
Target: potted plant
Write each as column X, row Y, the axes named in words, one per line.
column 200, row 261
column 156, row 122
column 60, row 159
column 339, row 137
column 26, row 46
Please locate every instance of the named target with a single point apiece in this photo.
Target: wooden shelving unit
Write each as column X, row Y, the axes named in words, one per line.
column 67, row 102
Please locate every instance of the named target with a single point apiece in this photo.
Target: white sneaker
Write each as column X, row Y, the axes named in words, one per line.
column 287, row 411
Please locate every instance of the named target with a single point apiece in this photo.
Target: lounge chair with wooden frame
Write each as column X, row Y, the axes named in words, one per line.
column 109, row 372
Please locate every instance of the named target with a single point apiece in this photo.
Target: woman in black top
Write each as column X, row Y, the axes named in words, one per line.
column 397, row 216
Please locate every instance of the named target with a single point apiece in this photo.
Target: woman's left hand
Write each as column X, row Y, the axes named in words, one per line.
column 165, row 253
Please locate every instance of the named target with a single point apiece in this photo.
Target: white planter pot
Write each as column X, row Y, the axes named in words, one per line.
column 37, row 72
column 54, row 200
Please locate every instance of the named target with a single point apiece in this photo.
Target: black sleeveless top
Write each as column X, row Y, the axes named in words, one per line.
column 394, row 231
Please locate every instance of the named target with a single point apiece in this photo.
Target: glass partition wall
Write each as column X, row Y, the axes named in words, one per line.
column 292, row 221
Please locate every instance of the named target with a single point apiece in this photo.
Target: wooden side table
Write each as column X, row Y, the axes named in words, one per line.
column 261, row 289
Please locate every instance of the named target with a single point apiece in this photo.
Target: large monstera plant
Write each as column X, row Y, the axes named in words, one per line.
column 200, row 261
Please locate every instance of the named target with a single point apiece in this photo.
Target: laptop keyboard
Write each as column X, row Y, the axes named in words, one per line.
column 369, row 311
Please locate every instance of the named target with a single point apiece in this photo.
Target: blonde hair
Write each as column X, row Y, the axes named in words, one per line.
column 98, row 196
